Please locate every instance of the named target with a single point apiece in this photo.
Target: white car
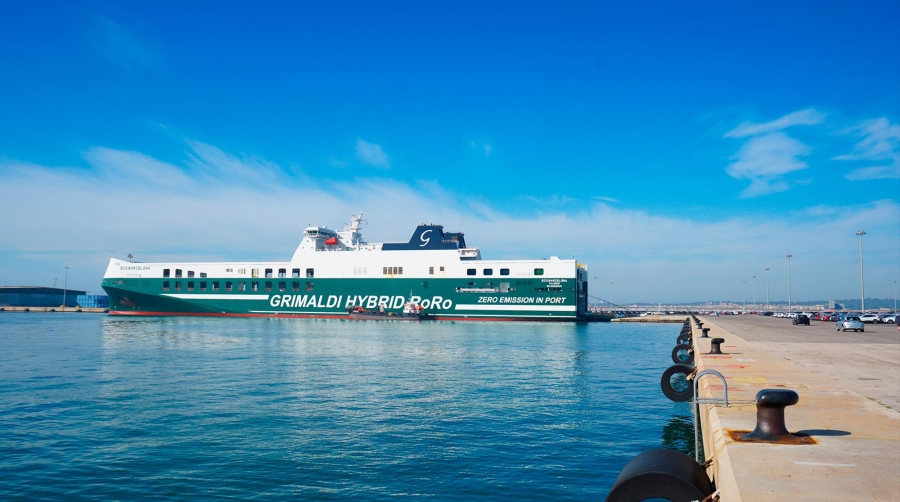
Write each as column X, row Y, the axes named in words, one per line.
column 851, row 323
column 873, row 318
column 890, row 319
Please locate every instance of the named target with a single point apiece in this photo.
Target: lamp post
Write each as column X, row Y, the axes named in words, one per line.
column 790, row 307
column 895, row 300
column 754, row 293
column 862, row 282
column 767, row 288
column 65, row 286
column 744, row 297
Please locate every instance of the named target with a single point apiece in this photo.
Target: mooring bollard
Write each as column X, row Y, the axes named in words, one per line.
column 714, row 345
column 705, row 333
column 699, row 324
column 770, row 404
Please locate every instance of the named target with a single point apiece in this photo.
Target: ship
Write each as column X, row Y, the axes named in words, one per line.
column 332, row 273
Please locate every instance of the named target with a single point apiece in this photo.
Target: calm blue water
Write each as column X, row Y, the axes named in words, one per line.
column 93, row 407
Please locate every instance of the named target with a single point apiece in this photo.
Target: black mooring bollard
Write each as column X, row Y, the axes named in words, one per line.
column 699, row 324
column 770, row 404
column 705, row 333
column 714, row 345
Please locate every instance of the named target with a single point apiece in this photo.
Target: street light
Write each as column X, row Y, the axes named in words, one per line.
column 754, row 293
column 895, row 301
column 767, row 288
column 744, row 296
column 790, row 308
column 862, row 282
column 66, row 286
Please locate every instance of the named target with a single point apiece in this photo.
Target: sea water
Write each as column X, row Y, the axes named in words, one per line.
column 98, row 407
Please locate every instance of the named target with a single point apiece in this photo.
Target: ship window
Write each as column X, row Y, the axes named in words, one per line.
column 242, row 271
column 538, row 271
column 190, row 285
column 400, row 271
column 202, row 274
column 488, row 271
column 242, row 286
column 177, row 272
column 310, row 286
column 295, row 272
column 442, row 269
column 255, row 273
column 177, row 285
column 216, row 285
column 165, row 285
column 202, row 285
column 229, row 270
column 190, row 273
column 310, row 272
column 504, row 271
column 254, row 286
column 268, row 286
column 268, row 272
column 295, row 286
column 227, row 285
column 165, row 272
column 384, row 270
column 282, row 272
column 470, row 271
column 430, row 270
column 504, row 287
column 471, row 283
column 282, row 285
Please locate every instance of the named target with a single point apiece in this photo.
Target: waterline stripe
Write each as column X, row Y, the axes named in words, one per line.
column 526, row 308
column 217, row 297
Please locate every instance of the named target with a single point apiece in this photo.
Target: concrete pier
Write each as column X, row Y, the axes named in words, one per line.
column 849, row 396
column 4, row 309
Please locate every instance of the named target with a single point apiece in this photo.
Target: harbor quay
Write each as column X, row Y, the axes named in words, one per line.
column 845, row 425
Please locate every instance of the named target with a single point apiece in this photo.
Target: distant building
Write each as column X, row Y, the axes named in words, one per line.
column 38, row 296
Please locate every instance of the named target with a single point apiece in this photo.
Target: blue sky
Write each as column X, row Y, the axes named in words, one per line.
column 677, row 149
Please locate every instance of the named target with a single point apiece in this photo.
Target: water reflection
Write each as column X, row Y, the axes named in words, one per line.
column 678, row 432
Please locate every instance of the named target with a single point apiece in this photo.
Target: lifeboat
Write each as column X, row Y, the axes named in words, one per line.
column 331, row 241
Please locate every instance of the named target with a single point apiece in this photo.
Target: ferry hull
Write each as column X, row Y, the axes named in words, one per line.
column 330, row 299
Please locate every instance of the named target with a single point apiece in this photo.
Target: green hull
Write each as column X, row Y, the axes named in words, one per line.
column 541, row 299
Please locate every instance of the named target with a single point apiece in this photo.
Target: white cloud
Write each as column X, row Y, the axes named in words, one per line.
column 338, row 163
column 769, row 154
column 121, row 44
column 764, row 160
column 802, row 117
column 881, row 142
column 371, row 154
column 129, row 202
column 874, row 173
column 606, row 199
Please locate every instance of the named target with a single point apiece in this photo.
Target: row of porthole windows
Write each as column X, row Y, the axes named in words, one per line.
column 240, row 286
column 310, row 273
column 503, row 271
column 282, row 272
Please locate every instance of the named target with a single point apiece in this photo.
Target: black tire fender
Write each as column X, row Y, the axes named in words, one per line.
column 666, row 383
column 660, row 474
column 679, row 348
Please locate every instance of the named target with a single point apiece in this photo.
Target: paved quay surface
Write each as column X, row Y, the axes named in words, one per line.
column 848, row 385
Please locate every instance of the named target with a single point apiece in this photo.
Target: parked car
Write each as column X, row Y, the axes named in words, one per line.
column 890, row 319
column 851, row 323
column 800, row 319
column 873, row 318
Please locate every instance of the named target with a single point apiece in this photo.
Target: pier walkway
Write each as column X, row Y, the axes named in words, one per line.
column 849, row 388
